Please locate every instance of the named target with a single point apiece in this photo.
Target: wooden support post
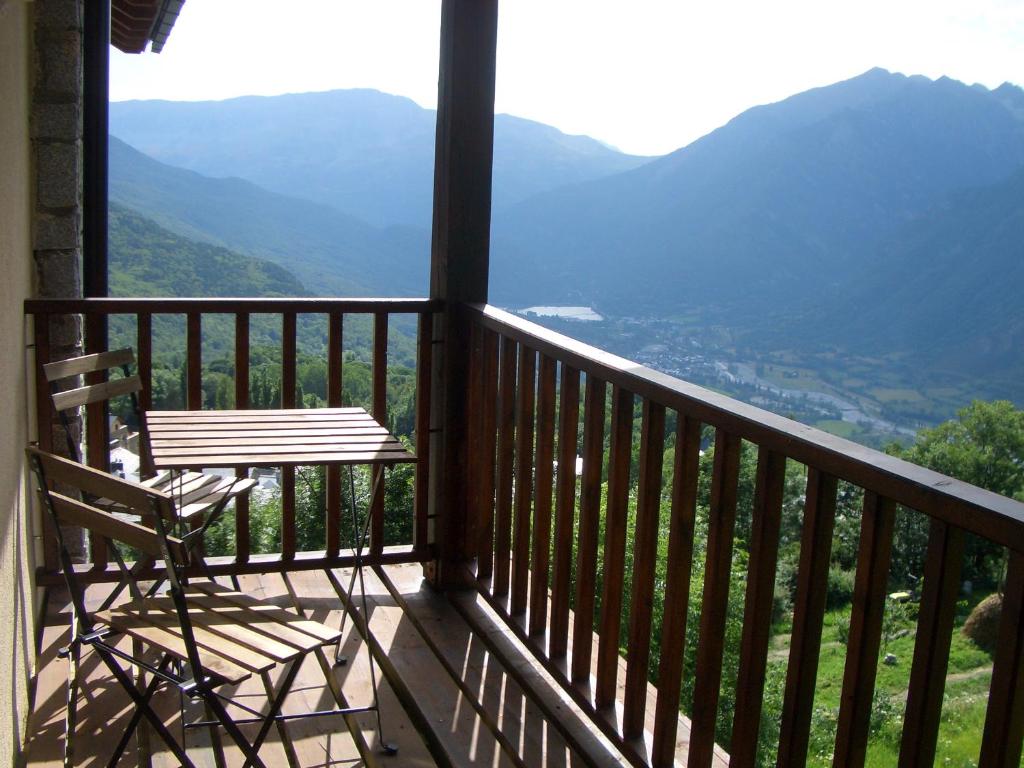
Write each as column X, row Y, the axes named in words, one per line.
column 459, row 261
column 95, row 118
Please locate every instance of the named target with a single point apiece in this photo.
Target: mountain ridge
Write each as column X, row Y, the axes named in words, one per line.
column 364, row 152
column 779, row 227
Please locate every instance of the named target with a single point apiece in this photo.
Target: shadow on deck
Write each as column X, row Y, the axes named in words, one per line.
column 458, row 689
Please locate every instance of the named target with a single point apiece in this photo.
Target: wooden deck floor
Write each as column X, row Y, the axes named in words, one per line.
column 456, row 689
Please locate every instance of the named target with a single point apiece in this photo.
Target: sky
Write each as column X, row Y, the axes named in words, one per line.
column 645, row 76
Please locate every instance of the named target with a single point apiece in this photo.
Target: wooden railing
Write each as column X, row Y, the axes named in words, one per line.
column 541, row 556
column 289, row 310
column 553, row 548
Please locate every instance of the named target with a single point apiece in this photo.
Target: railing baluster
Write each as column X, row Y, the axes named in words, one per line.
column 808, row 614
column 380, row 413
column 503, row 483
column 542, row 496
column 424, row 356
column 194, row 361
column 1004, row 720
column 645, row 553
column 526, row 395
column 865, row 629
column 677, row 590
column 488, row 421
column 97, row 426
column 242, row 545
column 619, row 457
column 288, row 331
column 332, row 492
column 44, row 427
column 757, row 611
column 565, row 507
column 718, row 566
column 475, row 460
column 144, row 345
column 590, row 513
column 936, row 615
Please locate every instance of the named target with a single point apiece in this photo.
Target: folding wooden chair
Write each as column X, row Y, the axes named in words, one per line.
column 196, row 493
column 205, row 635
column 200, row 497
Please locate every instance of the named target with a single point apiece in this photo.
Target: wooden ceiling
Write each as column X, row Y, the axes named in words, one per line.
column 136, row 23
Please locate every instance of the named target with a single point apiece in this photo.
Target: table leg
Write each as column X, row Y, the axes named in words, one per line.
column 360, row 537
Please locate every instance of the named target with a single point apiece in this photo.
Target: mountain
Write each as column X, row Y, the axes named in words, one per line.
column 946, row 287
column 332, row 253
column 364, row 152
column 781, row 206
column 878, row 217
column 148, row 260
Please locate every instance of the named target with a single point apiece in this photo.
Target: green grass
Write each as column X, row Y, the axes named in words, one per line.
column 964, row 705
column 897, row 394
column 838, row 427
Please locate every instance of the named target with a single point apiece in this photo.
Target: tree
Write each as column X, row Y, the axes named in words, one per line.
column 984, row 446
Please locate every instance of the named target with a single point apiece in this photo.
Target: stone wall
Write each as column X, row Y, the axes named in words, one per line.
column 57, row 142
column 56, row 130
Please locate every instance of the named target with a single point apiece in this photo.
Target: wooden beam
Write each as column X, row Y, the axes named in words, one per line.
column 459, row 260
column 95, row 142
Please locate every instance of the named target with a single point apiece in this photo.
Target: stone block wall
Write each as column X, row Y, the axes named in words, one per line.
column 56, row 132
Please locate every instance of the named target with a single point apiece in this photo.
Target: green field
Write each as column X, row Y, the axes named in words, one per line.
column 963, row 712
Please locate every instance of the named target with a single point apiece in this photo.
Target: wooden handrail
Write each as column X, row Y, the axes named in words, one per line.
column 194, row 310
column 515, row 406
column 997, row 518
column 227, row 306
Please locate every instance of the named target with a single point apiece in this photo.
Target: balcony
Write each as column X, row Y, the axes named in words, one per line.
column 559, row 637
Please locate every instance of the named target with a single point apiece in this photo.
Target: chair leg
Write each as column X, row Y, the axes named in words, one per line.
column 251, row 753
column 145, row 752
column 71, row 722
column 275, row 706
column 142, row 705
column 215, row 744
column 134, row 723
column 282, row 730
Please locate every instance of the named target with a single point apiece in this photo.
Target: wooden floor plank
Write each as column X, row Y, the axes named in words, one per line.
column 455, row 698
column 524, row 725
column 455, row 722
column 320, row 602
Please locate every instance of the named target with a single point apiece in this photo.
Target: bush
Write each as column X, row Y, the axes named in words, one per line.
column 782, row 605
column 982, row 626
column 840, row 588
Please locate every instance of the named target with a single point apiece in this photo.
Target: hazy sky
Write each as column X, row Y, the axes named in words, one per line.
column 647, row 76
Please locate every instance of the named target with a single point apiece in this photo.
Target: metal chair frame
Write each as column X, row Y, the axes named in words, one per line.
column 62, row 370
column 185, row 673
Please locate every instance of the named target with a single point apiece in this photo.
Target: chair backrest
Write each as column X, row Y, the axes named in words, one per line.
column 60, row 480
column 66, row 400
column 71, row 478
column 120, row 359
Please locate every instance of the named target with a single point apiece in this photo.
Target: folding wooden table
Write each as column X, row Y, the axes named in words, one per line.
column 283, row 438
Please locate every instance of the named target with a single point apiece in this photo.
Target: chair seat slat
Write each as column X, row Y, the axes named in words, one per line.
column 168, row 642
column 313, row 628
column 160, row 612
column 260, row 619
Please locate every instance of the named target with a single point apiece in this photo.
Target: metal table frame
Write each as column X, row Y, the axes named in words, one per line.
column 243, row 439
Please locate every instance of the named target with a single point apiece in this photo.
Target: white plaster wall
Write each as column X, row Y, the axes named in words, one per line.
column 17, row 630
